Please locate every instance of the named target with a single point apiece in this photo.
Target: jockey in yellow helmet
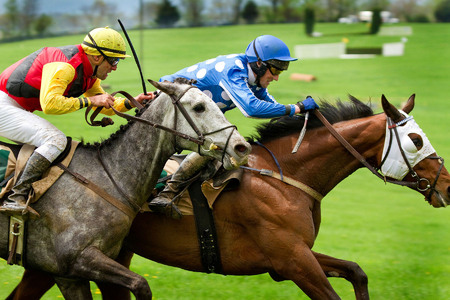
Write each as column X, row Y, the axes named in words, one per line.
column 55, row 80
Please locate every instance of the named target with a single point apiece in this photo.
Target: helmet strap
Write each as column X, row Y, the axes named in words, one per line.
column 94, row 44
column 98, row 48
column 258, row 70
column 95, row 71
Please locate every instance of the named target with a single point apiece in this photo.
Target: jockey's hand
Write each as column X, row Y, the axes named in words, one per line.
column 307, row 104
column 145, row 97
column 105, row 100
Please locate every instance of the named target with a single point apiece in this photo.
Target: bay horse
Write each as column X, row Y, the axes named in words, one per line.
column 267, row 226
column 79, row 234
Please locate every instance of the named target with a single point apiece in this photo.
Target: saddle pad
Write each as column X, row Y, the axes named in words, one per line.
column 51, row 175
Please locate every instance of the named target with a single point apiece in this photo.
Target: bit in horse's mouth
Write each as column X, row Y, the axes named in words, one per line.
column 213, row 147
column 440, row 199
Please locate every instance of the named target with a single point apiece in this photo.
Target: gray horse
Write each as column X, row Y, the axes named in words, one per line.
column 79, row 234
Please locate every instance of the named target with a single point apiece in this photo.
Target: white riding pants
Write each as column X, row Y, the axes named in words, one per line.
column 24, row 127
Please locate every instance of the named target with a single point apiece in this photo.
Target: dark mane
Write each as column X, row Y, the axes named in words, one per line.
column 340, row 111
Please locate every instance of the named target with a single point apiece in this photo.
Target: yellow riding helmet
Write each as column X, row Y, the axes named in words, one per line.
column 104, row 41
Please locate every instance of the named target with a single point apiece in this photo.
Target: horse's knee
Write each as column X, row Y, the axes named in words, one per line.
column 140, row 288
column 351, row 271
column 357, row 275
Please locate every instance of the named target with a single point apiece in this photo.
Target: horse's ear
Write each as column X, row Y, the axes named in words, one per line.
column 409, row 106
column 154, row 83
column 390, row 110
column 166, row 86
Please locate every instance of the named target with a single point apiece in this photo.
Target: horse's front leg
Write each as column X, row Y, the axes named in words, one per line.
column 305, row 271
column 287, row 247
column 349, row 270
column 74, row 289
column 93, row 265
column 113, row 291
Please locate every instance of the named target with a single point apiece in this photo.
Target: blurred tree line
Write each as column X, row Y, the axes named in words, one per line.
column 21, row 20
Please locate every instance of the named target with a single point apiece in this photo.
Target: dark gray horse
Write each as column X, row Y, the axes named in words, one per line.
column 79, row 234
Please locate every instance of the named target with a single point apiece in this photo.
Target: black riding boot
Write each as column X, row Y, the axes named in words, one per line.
column 35, row 167
column 164, row 202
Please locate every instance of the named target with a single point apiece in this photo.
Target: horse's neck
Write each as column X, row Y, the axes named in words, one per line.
column 321, row 161
column 137, row 157
column 366, row 136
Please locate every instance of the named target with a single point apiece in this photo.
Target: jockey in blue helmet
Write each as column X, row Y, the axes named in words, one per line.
column 267, row 52
column 233, row 81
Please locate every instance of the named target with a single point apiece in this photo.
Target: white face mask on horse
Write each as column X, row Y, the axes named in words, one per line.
column 394, row 165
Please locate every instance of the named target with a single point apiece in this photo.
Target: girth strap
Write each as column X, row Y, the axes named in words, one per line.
column 300, row 185
column 101, row 192
column 206, row 230
column 310, row 191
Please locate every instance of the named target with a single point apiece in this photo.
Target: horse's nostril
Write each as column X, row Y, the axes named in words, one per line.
column 241, row 148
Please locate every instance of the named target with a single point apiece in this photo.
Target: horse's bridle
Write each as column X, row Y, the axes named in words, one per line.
column 200, row 140
column 201, row 136
column 394, row 132
column 392, row 127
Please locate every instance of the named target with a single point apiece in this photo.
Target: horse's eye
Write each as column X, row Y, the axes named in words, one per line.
column 416, row 140
column 199, row 108
column 418, row 143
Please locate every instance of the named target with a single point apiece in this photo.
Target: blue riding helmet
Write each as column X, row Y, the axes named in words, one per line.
column 268, row 47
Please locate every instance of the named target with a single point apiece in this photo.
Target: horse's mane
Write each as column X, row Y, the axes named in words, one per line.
column 283, row 126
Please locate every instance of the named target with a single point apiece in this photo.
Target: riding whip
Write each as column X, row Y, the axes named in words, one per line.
column 302, row 134
column 134, row 55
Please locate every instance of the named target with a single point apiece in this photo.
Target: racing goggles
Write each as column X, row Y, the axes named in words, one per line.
column 113, row 61
column 274, row 70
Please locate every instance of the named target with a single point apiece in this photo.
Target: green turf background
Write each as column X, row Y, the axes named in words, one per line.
column 401, row 242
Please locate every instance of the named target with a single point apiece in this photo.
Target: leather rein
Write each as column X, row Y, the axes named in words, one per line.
column 392, row 127
column 199, row 140
column 108, row 121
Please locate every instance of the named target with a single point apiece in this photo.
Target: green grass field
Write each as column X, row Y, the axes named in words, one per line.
column 401, row 242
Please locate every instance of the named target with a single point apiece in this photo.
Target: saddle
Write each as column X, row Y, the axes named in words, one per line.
column 13, row 159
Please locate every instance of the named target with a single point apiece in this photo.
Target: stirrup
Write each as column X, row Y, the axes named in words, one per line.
column 173, row 211
column 15, row 208
column 166, row 207
column 16, row 211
